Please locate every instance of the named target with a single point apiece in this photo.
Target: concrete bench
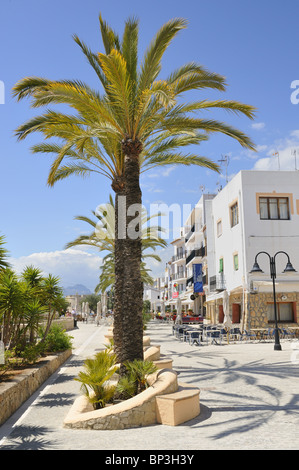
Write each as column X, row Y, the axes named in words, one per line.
column 178, row 407
column 163, row 363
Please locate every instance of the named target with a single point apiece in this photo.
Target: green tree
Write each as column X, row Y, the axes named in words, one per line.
column 102, row 238
column 52, row 298
column 141, row 121
column 3, row 254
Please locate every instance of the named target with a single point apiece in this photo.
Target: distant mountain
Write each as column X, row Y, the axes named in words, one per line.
column 76, row 289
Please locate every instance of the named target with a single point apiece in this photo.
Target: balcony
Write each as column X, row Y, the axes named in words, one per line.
column 217, row 283
column 200, row 252
column 178, row 275
column 179, row 256
column 190, row 233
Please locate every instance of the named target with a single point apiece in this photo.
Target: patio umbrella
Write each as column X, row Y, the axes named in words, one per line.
column 104, row 303
column 99, row 311
column 178, row 311
column 227, row 323
column 162, row 308
column 76, row 303
column 86, row 310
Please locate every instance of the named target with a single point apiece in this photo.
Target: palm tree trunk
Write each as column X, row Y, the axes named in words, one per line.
column 119, row 276
column 128, row 295
column 132, row 346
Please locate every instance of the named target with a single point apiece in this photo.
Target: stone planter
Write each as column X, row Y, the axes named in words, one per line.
column 137, row 411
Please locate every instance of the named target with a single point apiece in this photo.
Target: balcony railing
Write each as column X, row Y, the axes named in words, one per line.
column 190, row 233
column 178, row 256
column 200, row 252
column 178, row 275
column 217, row 283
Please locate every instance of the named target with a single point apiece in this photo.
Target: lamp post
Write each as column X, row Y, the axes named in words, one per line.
column 288, row 268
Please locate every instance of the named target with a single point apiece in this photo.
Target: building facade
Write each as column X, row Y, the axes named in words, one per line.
column 257, row 211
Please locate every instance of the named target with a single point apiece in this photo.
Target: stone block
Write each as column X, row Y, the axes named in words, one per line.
column 179, row 407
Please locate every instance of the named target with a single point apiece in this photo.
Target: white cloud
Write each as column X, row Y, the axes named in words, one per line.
column 261, row 148
column 281, row 155
column 258, row 126
column 72, row 266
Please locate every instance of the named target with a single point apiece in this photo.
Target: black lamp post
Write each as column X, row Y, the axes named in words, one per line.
column 288, row 268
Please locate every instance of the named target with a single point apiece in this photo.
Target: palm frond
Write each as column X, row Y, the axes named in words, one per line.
column 179, row 159
column 151, row 65
column 119, row 85
column 129, row 49
column 92, row 59
column 193, row 76
column 109, row 37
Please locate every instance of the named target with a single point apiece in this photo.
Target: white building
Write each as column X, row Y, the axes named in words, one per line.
column 256, row 211
column 153, row 294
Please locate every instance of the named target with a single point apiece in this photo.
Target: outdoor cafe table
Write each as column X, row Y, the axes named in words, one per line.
column 260, row 332
column 295, row 329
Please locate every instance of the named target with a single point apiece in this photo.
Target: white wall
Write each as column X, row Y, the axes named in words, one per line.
column 271, row 235
column 230, row 241
column 252, row 234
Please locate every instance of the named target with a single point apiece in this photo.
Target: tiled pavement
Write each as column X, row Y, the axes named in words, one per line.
column 249, row 400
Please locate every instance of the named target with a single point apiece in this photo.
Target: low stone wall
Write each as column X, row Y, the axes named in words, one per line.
column 14, row 393
column 137, row 411
column 67, row 323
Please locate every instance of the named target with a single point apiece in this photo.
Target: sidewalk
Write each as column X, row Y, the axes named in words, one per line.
column 249, row 400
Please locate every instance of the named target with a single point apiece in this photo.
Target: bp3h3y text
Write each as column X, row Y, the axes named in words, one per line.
column 151, row 459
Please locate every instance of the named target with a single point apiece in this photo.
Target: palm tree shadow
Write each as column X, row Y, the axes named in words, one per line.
column 28, row 438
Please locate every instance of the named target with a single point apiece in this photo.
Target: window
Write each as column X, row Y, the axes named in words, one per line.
column 221, row 265
column 236, row 262
column 285, row 312
column 274, row 208
column 234, row 214
column 219, row 228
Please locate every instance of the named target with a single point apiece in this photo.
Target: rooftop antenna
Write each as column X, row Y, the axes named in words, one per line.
column 294, row 152
column 277, row 154
column 225, row 160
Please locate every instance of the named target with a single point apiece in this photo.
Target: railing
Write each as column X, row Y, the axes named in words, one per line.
column 217, row 283
column 178, row 256
column 179, row 275
column 190, row 233
column 200, row 252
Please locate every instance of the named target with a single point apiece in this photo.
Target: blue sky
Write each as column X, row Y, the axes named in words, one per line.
column 252, row 43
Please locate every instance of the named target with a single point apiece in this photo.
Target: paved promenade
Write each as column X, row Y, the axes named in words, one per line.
column 249, row 400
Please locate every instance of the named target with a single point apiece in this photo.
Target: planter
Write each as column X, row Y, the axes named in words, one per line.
column 137, row 411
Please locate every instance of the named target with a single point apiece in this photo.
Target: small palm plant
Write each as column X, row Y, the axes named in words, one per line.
column 94, row 379
column 135, row 381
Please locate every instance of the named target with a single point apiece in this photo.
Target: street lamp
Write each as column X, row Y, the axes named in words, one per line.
column 288, row 268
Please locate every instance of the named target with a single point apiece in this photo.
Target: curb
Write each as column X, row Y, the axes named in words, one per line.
column 13, row 394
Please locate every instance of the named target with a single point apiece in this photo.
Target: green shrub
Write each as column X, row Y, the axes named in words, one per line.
column 31, row 354
column 94, row 379
column 135, row 381
column 56, row 340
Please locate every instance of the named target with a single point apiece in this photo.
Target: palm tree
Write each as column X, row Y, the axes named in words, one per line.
column 138, row 123
column 103, row 238
column 52, row 299
column 3, row 253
